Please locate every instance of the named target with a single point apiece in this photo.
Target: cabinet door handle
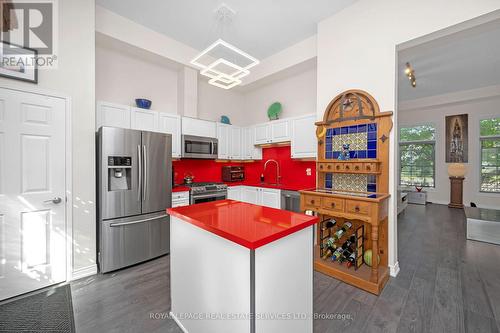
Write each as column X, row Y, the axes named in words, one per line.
column 356, row 168
column 329, row 167
column 368, row 167
column 333, row 204
column 321, row 167
column 312, row 202
column 356, row 209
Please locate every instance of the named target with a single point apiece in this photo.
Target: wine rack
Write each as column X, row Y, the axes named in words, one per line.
column 325, row 234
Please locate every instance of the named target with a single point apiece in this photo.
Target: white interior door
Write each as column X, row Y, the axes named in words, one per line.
column 32, row 192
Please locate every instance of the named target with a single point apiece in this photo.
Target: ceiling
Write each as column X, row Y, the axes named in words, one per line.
column 462, row 61
column 259, row 27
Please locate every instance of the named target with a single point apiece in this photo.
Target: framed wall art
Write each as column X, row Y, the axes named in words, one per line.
column 19, row 63
column 457, row 138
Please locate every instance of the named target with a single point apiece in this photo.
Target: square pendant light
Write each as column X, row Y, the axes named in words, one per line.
column 224, row 64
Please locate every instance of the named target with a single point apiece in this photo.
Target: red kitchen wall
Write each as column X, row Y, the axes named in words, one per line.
column 292, row 171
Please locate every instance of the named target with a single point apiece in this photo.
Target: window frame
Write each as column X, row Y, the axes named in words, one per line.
column 481, row 139
column 416, row 142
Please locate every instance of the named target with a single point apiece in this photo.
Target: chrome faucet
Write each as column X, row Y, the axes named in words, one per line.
column 278, row 177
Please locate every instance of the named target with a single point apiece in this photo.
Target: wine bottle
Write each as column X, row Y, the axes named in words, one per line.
column 339, row 233
column 351, row 260
column 330, row 224
column 347, row 244
column 328, row 252
column 346, row 254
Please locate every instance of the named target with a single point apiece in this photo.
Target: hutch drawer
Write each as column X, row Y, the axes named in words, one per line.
column 334, row 204
column 358, row 207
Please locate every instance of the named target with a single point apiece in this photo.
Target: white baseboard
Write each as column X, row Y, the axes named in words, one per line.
column 183, row 329
column 394, row 269
column 84, row 272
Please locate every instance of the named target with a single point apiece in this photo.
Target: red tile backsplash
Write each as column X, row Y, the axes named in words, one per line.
column 292, row 171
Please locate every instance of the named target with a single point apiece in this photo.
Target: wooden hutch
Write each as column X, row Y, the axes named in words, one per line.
column 354, row 190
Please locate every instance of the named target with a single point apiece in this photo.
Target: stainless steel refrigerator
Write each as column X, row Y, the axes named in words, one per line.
column 134, row 191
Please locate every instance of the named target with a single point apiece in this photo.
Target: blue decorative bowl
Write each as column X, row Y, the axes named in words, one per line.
column 143, row 103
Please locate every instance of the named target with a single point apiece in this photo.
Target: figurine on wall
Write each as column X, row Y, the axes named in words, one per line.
column 344, row 154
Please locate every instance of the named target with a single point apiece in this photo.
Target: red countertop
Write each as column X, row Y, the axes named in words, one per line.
column 180, row 188
column 249, row 225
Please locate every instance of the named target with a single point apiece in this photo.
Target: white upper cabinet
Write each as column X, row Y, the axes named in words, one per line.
column 199, row 127
column 272, row 132
column 280, row 130
column 248, row 149
column 113, row 115
column 304, row 143
column 262, row 133
column 171, row 124
column 122, row 116
column 223, row 137
column 144, row 120
column 235, row 143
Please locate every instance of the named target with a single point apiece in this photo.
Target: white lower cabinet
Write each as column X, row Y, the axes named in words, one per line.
column 234, row 192
column 270, row 197
column 261, row 196
column 250, row 194
column 180, row 199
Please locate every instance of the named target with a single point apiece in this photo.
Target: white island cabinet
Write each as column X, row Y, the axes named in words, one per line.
column 251, row 270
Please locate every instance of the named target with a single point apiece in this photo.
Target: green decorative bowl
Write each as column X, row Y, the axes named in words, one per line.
column 274, row 111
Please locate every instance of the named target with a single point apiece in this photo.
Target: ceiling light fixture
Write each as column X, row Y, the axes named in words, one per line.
column 223, row 63
column 410, row 73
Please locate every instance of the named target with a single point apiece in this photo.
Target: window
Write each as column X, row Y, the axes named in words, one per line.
column 417, row 155
column 490, row 155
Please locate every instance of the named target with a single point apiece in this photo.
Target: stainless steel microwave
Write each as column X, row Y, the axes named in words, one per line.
column 199, row 147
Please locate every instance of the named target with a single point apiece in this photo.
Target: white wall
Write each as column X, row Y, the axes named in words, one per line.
column 477, row 110
column 357, row 49
column 121, row 77
column 297, row 94
column 75, row 78
column 214, row 102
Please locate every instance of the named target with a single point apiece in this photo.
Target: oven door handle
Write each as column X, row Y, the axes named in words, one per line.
column 215, row 195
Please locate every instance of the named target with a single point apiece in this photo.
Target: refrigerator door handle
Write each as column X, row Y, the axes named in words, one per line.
column 139, row 164
column 145, row 173
column 138, row 221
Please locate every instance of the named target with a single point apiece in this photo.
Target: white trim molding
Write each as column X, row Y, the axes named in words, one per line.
column 183, row 329
column 451, row 98
column 83, row 272
column 394, row 269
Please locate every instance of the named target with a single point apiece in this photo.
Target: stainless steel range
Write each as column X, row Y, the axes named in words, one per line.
column 206, row 192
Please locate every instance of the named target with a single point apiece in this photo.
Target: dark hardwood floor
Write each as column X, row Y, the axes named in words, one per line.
column 446, row 284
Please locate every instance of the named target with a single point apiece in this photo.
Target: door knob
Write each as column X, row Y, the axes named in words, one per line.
column 56, row 201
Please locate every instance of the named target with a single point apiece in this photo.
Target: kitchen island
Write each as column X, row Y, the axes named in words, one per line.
column 238, row 267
